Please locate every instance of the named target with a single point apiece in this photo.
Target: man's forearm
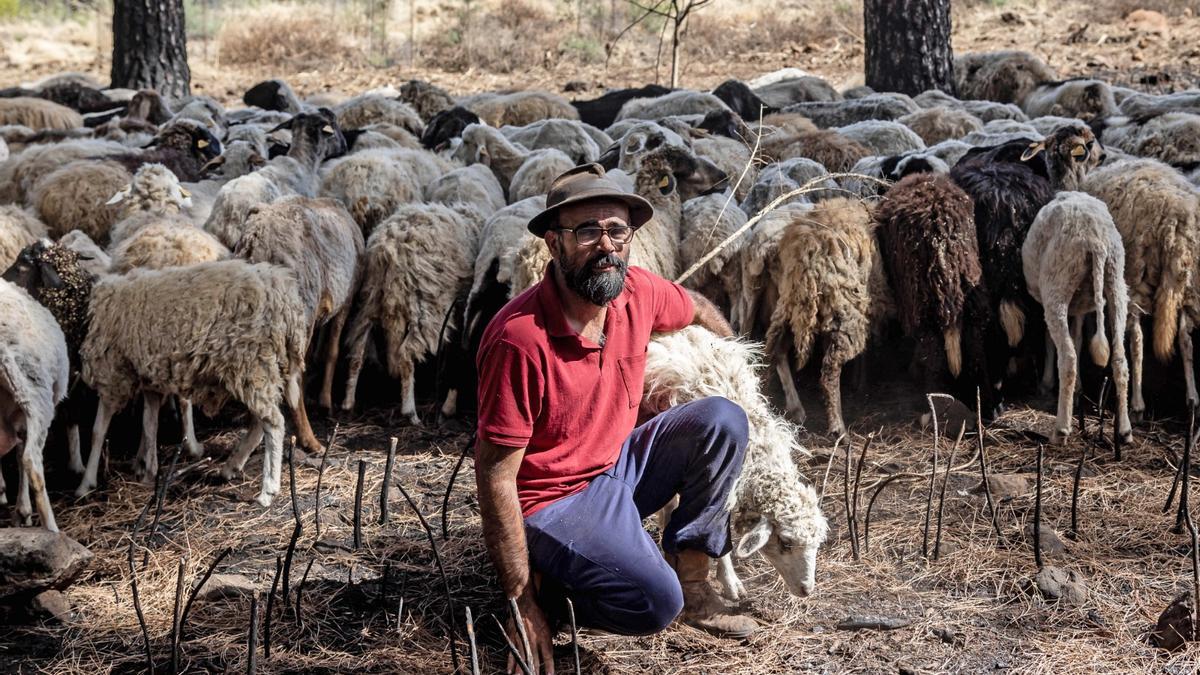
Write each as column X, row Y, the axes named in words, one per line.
column 504, row 529
column 709, row 316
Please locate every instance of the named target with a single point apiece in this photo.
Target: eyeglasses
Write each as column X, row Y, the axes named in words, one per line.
column 587, row 235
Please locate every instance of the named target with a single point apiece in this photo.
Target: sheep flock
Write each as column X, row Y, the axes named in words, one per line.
column 197, row 256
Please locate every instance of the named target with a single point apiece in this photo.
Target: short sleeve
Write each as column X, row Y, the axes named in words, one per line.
column 673, row 307
column 510, row 392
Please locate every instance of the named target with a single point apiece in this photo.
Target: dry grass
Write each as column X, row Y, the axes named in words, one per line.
column 301, row 36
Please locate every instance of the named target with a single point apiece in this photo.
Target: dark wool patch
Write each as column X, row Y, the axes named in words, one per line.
column 68, row 304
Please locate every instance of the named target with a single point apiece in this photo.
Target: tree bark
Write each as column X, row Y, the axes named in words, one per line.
column 908, row 45
column 150, row 46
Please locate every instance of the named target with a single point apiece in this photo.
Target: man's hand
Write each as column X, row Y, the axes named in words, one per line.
column 709, row 316
column 541, row 640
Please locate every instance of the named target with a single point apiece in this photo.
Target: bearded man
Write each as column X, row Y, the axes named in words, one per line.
column 564, row 477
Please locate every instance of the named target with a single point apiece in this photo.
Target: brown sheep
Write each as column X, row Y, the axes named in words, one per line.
column 76, row 196
column 833, row 150
column 938, row 124
column 38, row 113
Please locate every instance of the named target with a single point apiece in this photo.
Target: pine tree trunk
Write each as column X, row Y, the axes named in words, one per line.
column 150, row 46
column 908, row 45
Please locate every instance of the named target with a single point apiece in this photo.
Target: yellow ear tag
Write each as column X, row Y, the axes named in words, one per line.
column 664, row 183
column 202, row 144
column 1078, row 151
column 327, row 129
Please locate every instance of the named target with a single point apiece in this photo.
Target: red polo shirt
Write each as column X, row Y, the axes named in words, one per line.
column 566, row 400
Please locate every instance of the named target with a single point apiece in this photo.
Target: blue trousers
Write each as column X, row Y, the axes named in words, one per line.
column 591, row 546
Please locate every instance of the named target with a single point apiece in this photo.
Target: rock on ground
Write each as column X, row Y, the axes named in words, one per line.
column 33, row 559
column 1174, row 626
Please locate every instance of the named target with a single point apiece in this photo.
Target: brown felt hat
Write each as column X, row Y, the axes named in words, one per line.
column 584, row 183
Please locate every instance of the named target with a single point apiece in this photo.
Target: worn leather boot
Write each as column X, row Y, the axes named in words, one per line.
column 702, row 607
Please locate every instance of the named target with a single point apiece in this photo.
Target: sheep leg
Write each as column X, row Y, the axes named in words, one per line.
column 233, row 466
column 355, row 358
column 408, row 408
column 836, row 355
column 73, row 450
column 1060, row 333
column 195, row 448
column 304, row 432
column 731, row 585
column 1138, row 406
column 104, row 414
column 34, row 475
column 1120, row 365
column 1185, row 350
column 24, row 510
column 272, row 426
column 450, row 405
column 783, row 368
column 334, row 340
column 1047, row 383
column 148, row 456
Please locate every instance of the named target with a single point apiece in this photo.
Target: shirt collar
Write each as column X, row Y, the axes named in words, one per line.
column 551, row 303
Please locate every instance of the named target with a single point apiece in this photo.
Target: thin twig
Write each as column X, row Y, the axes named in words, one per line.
column 300, row 594
column 1185, row 474
column 1037, row 512
column 512, row 649
column 320, row 478
column 175, row 615
column 162, row 492
column 437, row 557
column 932, row 478
column 850, row 529
column 983, row 472
column 862, row 459
column 358, row 495
column 133, row 587
column 385, row 489
column 1083, row 451
column 450, row 487
column 871, row 505
column 252, row 637
column 270, row 606
column 574, row 635
column 471, row 641
column 829, row 464
column 937, row 539
column 297, row 529
column 187, row 607
column 520, row 622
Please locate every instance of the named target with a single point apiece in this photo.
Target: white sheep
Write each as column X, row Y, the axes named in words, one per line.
column 883, row 137
column 706, row 222
column 474, row 184
column 537, row 173
column 681, row 102
column 34, row 374
column 417, row 264
column 773, row 508
column 1074, row 246
column 371, row 184
column 207, row 333
column 18, row 229
column 581, row 142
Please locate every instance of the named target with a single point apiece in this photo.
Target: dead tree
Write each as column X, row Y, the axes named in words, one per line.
column 150, row 47
column 674, row 14
column 908, row 45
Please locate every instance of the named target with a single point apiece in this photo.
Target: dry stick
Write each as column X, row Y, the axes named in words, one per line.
column 437, row 557
column 829, row 465
column 810, row 186
column 937, row 434
column 1185, row 472
column 175, row 616
column 871, row 504
column 187, row 606
column 450, row 486
column 850, row 529
column 983, row 472
column 320, row 477
column 512, row 649
column 1037, row 512
column 385, row 489
column 300, row 594
column 252, row 639
column 862, row 459
column 358, row 490
column 471, row 641
column 1191, row 525
column 137, row 602
column 270, row 606
column 574, row 636
column 1083, row 450
column 297, row 529
column 937, row 539
column 517, row 619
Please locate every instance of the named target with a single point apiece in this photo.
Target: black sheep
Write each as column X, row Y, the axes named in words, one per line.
column 602, row 112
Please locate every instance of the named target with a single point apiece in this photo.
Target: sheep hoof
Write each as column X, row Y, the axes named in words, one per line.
column 196, row 450
column 84, row 489
column 76, row 466
column 263, row 499
column 1059, row 437
column 413, row 420
column 229, row 472
column 1126, row 436
column 1137, row 415
column 733, row 590
column 325, row 401
column 3, row 498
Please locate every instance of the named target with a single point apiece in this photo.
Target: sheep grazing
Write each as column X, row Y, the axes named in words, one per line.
column 742, row 100
column 474, row 184
column 273, row 95
column 76, row 196
column 519, row 108
column 835, row 152
column 484, row 145
column 1074, row 264
column 780, row 178
column 1004, row 76
column 538, row 172
column 207, row 333
column 793, row 90
column 154, row 196
column 927, row 234
column 183, row 146
column 319, row 241
column 162, row 245
column 706, row 221
column 572, row 137
column 1172, row 138
column 843, row 113
column 38, row 113
column 446, row 126
column 773, row 508
column 367, row 109
column 831, row 288
column 34, row 375
column 371, row 184
column 1157, row 213
column 18, row 229
column 1081, row 98
column 92, row 259
column 418, row 263
column 425, row 98
column 601, row 112
column 22, row 172
column 883, row 138
column 681, row 102
column 935, row 125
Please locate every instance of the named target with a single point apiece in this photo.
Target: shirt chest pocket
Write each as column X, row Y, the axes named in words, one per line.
column 633, row 372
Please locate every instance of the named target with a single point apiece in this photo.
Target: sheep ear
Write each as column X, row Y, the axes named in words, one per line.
column 50, row 278
column 635, row 144
column 118, row 198
column 482, row 156
column 1033, row 150
column 183, row 191
column 754, row 539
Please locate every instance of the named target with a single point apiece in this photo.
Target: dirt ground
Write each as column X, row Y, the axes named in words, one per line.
column 383, row 607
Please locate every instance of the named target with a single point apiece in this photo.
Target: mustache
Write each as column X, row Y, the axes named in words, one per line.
column 608, row 259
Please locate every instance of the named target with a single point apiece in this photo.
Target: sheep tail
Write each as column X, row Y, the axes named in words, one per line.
column 1167, row 303
column 953, row 339
column 1012, row 319
column 1099, row 344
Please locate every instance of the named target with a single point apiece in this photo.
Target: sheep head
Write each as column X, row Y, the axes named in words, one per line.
column 1070, row 153
column 790, row 544
column 315, row 136
column 155, row 189
column 53, row 275
column 188, row 137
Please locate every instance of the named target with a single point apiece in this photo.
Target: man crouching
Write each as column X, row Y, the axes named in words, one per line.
column 564, row 478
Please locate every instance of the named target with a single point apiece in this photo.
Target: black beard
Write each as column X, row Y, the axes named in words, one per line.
column 598, row 288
